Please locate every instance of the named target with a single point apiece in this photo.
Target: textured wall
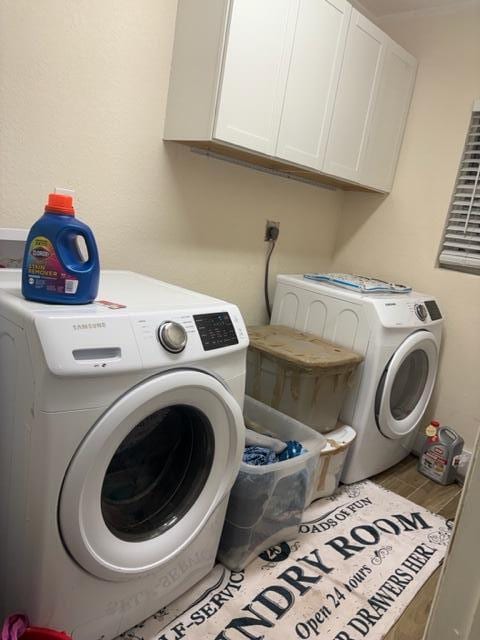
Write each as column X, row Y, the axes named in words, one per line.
column 398, row 237
column 82, row 99
column 83, row 87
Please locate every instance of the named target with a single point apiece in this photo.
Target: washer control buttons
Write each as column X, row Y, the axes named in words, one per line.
column 172, row 336
column 216, row 330
column 421, row 312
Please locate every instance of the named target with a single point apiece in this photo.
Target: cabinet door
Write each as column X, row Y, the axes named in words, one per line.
column 255, row 67
column 356, row 94
column 318, row 49
column 389, row 117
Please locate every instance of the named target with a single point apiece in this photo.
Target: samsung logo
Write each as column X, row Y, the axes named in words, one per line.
column 85, row 326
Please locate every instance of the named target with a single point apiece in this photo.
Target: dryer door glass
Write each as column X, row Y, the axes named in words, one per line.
column 406, row 385
column 157, row 473
column 409, row 384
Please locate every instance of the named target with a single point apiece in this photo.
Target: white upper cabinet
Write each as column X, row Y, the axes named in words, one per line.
column 315, row 63
column 371, row 107
column 389, row 117
column 357, row 88
column 310, row 86
column 255, row 67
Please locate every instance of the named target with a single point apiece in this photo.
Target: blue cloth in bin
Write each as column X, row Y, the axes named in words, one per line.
column 259, row 508
column 259, row 456
column 248, row 498
column 292, row 450
column 286, row 503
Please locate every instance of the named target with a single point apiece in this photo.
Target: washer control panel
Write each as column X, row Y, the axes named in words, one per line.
column 177, row 336
column 216, row 330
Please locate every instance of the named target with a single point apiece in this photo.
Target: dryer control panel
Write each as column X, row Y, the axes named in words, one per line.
column 408, row 311
column 433, row 310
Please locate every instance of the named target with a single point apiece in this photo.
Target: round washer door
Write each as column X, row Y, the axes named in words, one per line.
column 149, row 474
column 406, row 385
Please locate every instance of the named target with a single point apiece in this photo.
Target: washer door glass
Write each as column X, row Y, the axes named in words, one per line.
column 406, row 385
column 157, row 473
column 150, row 473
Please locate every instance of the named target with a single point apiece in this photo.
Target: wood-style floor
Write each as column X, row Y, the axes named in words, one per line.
column 405, row 480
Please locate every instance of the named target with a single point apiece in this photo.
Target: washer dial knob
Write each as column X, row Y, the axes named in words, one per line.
column 421, row 312
column 172, row 336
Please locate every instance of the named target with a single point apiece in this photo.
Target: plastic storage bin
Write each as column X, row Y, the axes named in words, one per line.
column 267, row 502
column 299, row 374
column 332, row 460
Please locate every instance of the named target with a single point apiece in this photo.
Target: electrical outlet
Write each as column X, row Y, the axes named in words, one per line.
column 272, row 230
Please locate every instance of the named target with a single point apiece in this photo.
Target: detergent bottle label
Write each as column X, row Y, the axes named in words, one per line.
column 44, row 269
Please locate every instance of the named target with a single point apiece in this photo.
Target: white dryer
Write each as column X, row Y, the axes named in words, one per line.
column 398, row 335
column 121, row 434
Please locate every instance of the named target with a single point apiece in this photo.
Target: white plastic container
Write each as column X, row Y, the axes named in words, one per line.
column 332, row 460
column 267, row 502
column 299, row 374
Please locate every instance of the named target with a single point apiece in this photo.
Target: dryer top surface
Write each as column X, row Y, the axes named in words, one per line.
column 332, row 290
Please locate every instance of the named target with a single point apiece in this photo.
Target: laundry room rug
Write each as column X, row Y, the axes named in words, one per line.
column 358, row 560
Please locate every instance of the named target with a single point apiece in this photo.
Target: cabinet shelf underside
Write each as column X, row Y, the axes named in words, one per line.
column 274, row 165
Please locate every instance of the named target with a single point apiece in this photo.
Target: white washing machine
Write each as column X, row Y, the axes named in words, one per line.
column 398, row 335
column 121, row 434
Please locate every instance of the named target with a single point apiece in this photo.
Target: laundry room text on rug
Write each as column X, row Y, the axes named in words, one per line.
column 359, row 559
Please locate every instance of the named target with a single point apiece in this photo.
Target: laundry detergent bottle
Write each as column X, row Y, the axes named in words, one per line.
column 54, row 269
